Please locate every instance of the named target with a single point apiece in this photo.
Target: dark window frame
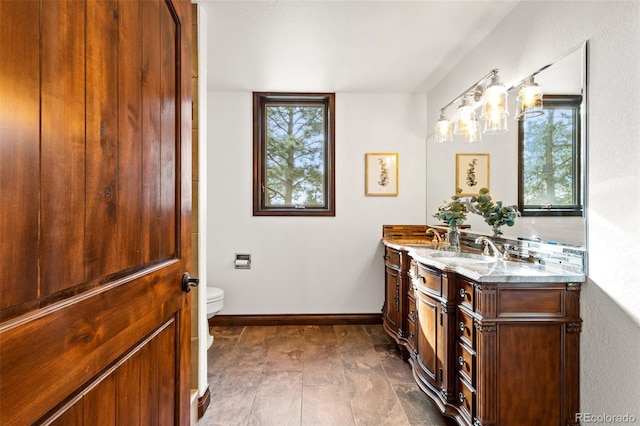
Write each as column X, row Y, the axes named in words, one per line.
column 574, row 102
column 260, row 101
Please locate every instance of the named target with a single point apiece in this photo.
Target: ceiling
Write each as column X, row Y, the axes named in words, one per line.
column 342, row 46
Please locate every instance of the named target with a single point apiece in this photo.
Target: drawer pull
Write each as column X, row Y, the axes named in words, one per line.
column 411, row 334
column 421, row 278
column 461, row 361
column 463, row 293
column 461, row 326
column 461, row 397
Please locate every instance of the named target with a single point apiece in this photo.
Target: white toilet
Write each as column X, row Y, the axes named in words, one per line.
column 215, row 303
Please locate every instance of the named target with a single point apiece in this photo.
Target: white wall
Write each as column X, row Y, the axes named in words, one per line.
column 311, row 264
column 535, row 33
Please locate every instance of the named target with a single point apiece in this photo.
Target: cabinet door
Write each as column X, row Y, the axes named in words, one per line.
column 393, row 281
column 429, row 337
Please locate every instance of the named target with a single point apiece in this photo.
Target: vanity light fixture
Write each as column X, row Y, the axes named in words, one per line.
column 473, row 134
column 529, row 100
column 444, row 129
column 494, row 108
column 465, row 116
column 488, row 92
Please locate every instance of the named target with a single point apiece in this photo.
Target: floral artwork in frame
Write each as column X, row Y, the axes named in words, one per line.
column 472, row 173
column 381, row 171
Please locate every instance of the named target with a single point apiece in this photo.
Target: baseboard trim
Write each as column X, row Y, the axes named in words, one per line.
column 203, row 402
column 296, row 319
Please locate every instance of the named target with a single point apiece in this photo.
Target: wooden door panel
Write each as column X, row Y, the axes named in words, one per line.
column 69, row 347
column 119, row 396
column 129, row 177
column 168, row 132
column 99, row 406
column 101, row 142
column 428, row 334
column 150, row 166
column 62, row 140
column 97, row 327
column 19, row 150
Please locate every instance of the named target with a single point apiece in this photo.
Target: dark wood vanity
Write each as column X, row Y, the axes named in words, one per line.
column 488, row 353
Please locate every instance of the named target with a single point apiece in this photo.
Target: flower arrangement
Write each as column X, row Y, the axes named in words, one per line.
column 453, row 212
column 494, row 213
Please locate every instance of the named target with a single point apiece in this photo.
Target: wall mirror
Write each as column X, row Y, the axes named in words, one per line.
column 566, row 76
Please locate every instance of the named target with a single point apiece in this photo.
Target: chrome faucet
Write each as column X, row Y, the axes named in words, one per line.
column 496, row 252
column 488, row 243
column 437, row 239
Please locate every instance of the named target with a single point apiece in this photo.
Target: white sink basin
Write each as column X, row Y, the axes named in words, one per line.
column 467, row 258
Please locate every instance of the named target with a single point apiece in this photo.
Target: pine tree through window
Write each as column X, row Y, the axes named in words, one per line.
column 293, row 154
column 549, row 159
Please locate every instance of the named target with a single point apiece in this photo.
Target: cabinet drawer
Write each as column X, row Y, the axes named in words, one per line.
column 464, row 328
column 465, row 360
column 393, row 257
column 426, row 277
column 466, row 294
column 466, row 399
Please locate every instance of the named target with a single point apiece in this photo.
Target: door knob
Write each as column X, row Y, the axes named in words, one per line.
column 188, row 281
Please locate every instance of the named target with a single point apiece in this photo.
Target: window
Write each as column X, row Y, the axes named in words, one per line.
column 293, row 154
column 549, row 159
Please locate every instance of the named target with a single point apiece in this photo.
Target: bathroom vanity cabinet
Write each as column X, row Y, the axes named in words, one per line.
column 489, row 353
column 394, row 310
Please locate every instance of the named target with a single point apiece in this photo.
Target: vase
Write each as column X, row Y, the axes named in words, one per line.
column 453, row 238
column 497, row 232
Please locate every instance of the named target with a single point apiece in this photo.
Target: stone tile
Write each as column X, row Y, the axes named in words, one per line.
column 373, row 400
column 247, row 358
column 377, row 334
column 326, row 405
column 289, row 331
column 397, row 370
column 352, row 336
column 275, row 382
column 419, row 408
column 229, row 405
column 322, row 335
column 240, row 378
column 256, row 335
column 359, row 358
column 285, row 354
column 312, row 376
column 219, row 355
column 278, row 409
column 226, row 330
column 322, row 366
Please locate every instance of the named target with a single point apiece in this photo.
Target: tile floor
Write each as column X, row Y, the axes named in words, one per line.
column 312, row 375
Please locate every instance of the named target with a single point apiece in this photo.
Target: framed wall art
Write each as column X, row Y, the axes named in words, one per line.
column 472, row 173
column 381, row 174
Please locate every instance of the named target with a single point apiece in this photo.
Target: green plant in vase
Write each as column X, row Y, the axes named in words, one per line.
column 495, row 213
column 453, row 213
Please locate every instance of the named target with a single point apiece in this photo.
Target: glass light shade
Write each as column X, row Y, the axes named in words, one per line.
column 444, row 131
column 496, row 125
column 494, row 109
column 474, row 135
column 464, row 116
column 529, row 100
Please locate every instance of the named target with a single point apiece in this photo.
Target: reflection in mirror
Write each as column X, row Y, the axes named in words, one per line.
column 549, row 158
column 565, row 76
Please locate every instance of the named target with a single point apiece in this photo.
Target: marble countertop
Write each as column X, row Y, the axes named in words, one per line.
column 482, row 268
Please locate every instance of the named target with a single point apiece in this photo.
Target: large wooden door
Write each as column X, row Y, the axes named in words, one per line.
column 95, row 175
